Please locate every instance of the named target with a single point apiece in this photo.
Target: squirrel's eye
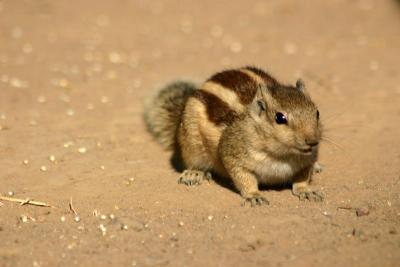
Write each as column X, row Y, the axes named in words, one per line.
column 280, row 118
column 317, row 114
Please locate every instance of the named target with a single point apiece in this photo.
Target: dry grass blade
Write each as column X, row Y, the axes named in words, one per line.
column 26, row 201
column 71, row 207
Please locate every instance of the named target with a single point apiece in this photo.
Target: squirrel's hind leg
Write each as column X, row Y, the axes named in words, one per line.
column 195, row 155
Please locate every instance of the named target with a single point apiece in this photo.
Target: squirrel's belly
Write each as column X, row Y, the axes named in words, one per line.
column 272, row 171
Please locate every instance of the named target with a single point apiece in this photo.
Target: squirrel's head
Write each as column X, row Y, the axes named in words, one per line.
column 288, row 119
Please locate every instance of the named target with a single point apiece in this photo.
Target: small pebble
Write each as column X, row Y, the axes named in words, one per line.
column 63, row 83
column 115, row 57
column 181, row 224
column 27, row 48
column 82, row 150
column 41, row 99
column 68, row 144
column 362, row 211
column 103, row 217
column 210, row 217
column 90, row 106
column 24, row 218
column 17, row 83
column 70, row 112
column 290, row 48
column 77, row 218
column 43, row 168
column 104, row 99
column 10, row 193
column 26, row 162
column 52, row 158
column 102, row 167
column 112, row 216
column 62, row 218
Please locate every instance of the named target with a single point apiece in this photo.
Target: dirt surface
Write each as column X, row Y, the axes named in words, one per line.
column 72, row 82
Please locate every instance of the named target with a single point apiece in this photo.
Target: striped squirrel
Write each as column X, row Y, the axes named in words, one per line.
column 242, row 124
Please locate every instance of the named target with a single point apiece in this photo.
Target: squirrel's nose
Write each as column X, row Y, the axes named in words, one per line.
column 312, row 142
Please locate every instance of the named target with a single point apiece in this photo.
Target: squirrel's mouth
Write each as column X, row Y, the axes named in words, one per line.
column 306, row 150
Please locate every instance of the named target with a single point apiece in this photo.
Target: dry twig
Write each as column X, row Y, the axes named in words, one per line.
column 345, row 208
column 26, row 201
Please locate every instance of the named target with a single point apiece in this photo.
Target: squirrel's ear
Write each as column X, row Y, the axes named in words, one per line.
column 301, row 86
column 259, row 104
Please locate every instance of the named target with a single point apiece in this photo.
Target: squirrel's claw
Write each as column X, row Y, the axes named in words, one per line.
column 192, row 177
column 255, row 200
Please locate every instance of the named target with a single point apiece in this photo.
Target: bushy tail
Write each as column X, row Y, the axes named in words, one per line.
column 163, row 112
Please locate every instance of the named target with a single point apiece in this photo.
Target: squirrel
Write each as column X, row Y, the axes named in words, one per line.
column 242, row 124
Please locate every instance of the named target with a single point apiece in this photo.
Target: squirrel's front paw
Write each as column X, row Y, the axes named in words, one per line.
column 192, row 177
column 306, row 193
column 255, row 199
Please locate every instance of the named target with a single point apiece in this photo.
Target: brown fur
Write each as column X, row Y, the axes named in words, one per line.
column 218, row 110
column 268, row 79
column 241, row 83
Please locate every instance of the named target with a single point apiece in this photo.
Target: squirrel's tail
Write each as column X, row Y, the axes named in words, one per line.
column 163, row 112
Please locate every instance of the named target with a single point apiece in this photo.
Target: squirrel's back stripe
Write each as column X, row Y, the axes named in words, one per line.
column 218, row 111
column 225, row 94
column 268, row 79
column 241, row 83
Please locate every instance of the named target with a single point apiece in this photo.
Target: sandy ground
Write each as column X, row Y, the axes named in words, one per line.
column 72, row 82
